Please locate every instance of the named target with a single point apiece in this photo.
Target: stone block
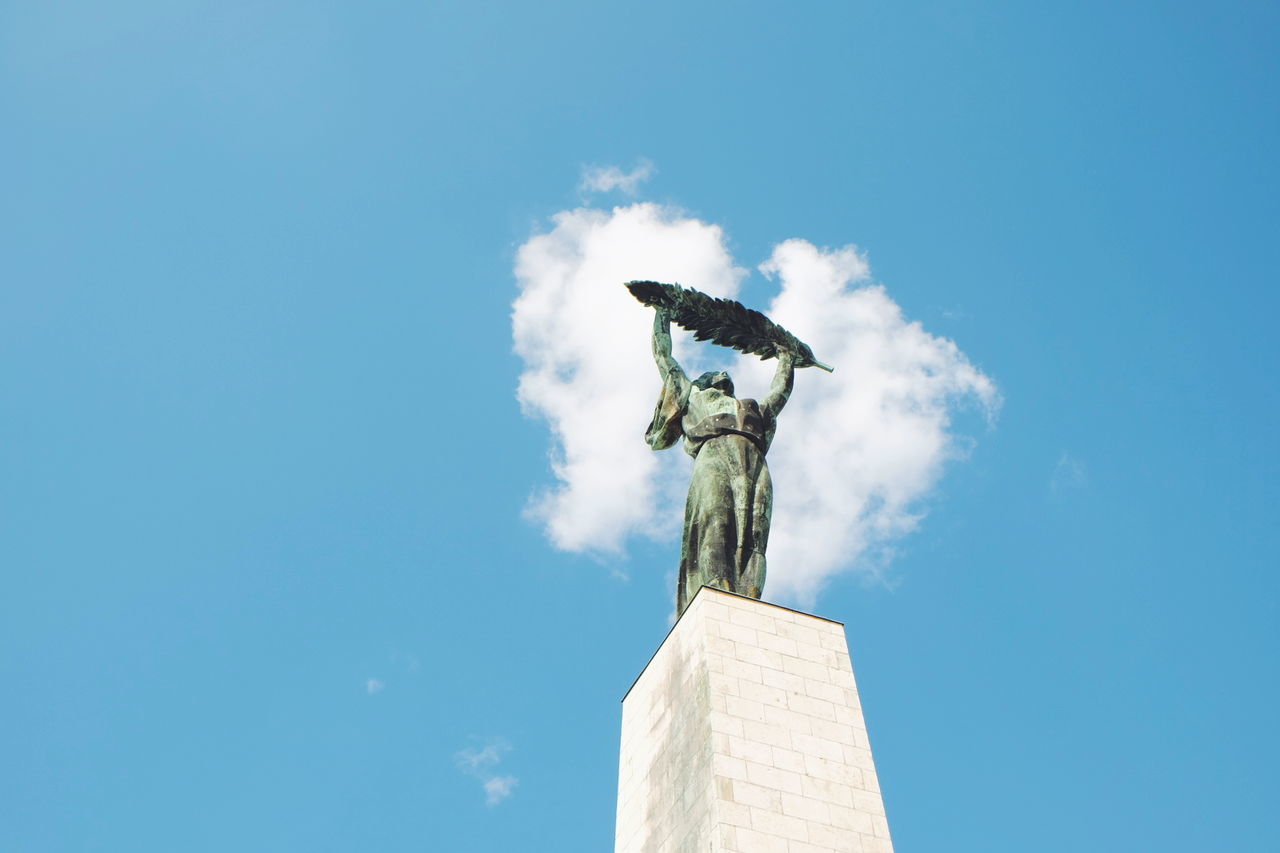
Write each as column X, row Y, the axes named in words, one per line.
column 744, row 734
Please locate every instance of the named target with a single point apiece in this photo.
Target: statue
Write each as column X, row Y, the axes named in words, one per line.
column 726, row 518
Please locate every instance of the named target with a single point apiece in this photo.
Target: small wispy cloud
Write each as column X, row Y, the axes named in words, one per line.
column 603, row 179
column 498, row 788
column 482, row 763
column 480, row 760
column 1067, row 474
column 373, row 685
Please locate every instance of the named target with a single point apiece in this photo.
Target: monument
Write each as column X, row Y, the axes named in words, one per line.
column 744, row 733
column 726, row 519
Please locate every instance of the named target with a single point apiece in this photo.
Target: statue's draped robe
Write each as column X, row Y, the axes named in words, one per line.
column 726, row 517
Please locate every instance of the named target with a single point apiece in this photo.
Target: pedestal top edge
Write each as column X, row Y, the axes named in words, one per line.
column 709, row 590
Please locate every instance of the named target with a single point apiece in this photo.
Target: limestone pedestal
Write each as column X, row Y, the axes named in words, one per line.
column 744, row 735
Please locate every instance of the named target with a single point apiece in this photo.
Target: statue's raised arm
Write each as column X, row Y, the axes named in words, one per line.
column 667, row 364
column 784, row 379
column 666, row 427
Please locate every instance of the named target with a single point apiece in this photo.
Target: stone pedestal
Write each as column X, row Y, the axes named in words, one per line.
column 744, row 735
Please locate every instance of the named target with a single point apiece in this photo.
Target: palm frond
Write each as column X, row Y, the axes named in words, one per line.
column 723, row 321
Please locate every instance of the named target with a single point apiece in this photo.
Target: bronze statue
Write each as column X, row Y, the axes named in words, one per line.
column 726, row 518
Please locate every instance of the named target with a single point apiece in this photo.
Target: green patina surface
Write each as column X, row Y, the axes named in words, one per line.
column 726, row 520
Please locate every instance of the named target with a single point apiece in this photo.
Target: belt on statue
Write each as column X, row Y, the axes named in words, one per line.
column 720, row 431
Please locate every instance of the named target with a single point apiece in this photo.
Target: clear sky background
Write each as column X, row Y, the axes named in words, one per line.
column 269, row 579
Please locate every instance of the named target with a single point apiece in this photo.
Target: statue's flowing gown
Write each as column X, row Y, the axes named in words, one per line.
column 726, row 519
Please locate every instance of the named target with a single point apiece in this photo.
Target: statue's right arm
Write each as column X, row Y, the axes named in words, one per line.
column 667, row 364
column 665, row 429
column 783, row 380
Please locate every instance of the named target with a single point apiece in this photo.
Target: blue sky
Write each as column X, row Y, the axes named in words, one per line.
column 270, row 581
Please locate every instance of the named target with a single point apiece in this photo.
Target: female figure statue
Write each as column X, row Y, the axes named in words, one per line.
column 726, row 517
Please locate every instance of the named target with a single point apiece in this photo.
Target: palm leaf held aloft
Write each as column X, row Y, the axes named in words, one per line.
column 723, row 321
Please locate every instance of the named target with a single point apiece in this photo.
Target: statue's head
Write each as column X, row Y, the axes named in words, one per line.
column 715, row 379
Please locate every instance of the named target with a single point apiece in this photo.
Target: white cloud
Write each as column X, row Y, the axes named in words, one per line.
column 482, row 763
column 373, row 686
column 856, row 450
column 498, row 788
column 478, row 760
column 1067, row 474
column 603, row 179
column 588, row 372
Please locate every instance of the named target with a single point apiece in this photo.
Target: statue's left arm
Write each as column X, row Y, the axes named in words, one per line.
column 783, row 379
